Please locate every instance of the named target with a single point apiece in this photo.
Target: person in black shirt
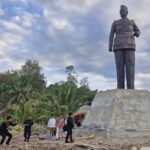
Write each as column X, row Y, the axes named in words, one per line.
column 70, row 125
column 4, row 130
column 27, row 129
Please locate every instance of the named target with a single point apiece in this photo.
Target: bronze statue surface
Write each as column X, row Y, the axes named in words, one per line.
column 122, row 42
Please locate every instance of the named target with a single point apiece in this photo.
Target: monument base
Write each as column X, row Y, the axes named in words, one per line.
column 120, row 113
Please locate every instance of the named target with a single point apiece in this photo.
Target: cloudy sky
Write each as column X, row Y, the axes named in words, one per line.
column 60, row 33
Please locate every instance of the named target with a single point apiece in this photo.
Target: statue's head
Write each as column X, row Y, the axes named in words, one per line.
column 123, row 11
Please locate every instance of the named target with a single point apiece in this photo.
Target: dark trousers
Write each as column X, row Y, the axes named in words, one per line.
column 125, row 64
column 4, row 134
column 69, row 135
column 27, row 134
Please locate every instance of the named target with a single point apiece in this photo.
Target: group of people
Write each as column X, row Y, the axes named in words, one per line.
column 55, row 125
column 60, row 124
column 5, row 129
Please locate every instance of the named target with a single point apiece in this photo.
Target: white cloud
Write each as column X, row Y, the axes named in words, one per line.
column 12, row 35
column 79, row 6
column 60, row 24
column 13, row 27
column 74, row 6
column 142, row 81
column 53, row 76
column 57, row 22
column 26, row 19
column 2, row 12
column 9, row 41
column 98, row 81
column 16, row 19
column 73, row 32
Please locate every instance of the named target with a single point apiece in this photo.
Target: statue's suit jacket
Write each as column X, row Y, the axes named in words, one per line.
column 122, row 34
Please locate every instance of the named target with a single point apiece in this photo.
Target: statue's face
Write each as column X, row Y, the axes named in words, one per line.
column 123, row 12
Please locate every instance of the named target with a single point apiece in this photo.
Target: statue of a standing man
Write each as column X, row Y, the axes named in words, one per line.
column 122, row 42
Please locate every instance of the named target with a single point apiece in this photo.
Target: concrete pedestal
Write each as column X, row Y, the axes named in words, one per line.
column 120, row 112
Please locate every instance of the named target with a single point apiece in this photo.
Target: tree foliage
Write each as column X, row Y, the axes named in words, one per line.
column 71, row 74
column 24, row 92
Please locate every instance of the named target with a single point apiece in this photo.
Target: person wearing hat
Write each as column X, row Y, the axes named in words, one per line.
column 122, row 43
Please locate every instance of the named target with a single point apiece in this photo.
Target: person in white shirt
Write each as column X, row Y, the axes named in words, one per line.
column 52, row 125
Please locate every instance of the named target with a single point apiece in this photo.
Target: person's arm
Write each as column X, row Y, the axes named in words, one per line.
column 25, row 123
column 73, row 123
column 136, row 30
column 3, row 126
column 13, row 123
column 111, row 36
column 31, row 123
column 62, row 123
column 48, row 124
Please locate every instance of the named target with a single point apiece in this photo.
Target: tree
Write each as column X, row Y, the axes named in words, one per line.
column 32, row 71
column 66, row 97
column 19, row 91
column 6, row 80
column 24, row 92
column 84, row 82
column 71, row 74
column 21, row 85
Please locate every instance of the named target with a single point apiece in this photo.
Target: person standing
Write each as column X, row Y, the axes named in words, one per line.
column 4, row 127
column 27, row 129
column 52, row 125
column 70, row 125
column 122, row 43
column 59, row 125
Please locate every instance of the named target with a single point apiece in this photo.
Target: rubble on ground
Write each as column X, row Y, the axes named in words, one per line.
column 87, row 142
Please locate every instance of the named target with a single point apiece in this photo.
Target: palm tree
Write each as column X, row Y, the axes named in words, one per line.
column 19, row 91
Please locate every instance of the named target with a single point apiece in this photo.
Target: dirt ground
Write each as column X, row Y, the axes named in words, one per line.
column 90, row 142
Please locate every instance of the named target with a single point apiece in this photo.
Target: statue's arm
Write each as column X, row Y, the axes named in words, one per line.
column 136, row 30
column 111, row 36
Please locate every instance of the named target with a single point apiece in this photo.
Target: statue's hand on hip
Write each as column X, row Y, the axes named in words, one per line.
column 136, row 34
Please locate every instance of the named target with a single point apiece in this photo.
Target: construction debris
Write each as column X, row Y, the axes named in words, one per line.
column 87, row 146
column 134, row 148
column 87, row 142
column 145, row 148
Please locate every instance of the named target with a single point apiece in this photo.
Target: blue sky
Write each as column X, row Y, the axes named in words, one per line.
column 60, row 33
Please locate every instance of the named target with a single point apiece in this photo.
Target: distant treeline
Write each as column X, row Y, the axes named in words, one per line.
column 24, row 92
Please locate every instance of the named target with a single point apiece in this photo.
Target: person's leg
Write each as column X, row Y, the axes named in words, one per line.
column 71, row 140
column 25, row 135
column 54, row 131
column 60, row 132
column 51, row 131
column 67, row 136
column 3, row 137
column 57, row 133
column 9, row 137
column 70, row 134
column 28, row 136
column 130, row 68
column 119, row 59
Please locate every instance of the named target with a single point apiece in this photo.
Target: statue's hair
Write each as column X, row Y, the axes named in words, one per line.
column 123, row 7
